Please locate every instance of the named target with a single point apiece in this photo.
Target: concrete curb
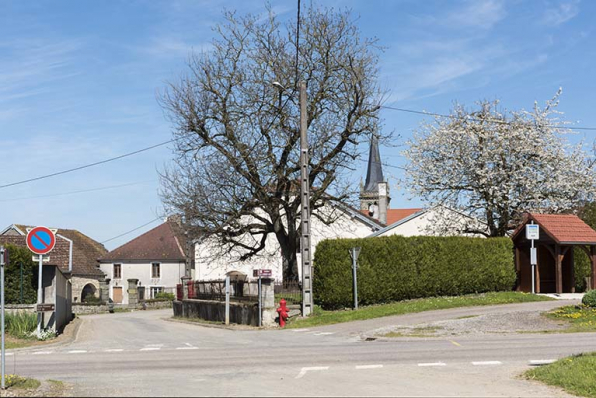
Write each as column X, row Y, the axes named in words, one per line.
column 69, row 339
column 233, row 327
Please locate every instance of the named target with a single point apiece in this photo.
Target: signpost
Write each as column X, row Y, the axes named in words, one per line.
column 354, row 253
column 532, row 234
column 3, row 261
column 41, row 241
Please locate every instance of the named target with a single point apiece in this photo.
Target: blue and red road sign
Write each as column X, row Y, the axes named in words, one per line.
column 41, row 240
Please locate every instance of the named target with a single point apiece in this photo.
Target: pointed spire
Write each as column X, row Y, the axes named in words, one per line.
column 374, row 174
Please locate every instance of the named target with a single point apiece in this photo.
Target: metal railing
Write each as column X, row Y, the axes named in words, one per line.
column 289, row 291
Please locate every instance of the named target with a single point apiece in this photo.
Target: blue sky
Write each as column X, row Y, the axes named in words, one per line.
column 79, row 82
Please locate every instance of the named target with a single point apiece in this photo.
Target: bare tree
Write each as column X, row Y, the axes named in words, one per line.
column 235, row 176
column 494, row 165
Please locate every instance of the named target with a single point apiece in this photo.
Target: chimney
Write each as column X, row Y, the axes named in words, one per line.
column 383, row 202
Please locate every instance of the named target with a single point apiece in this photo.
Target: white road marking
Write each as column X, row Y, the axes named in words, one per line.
column 486, row 363
column 151, row 349
column 188, row 344
column 154, row 345
column 114, row 350
column 77, row 352
column 43, row 352
column 300, row 330
column 8, row 354
column 432, row 364
column 323, row 333
column 368, row 366
column 304, row 370
column 187, row 348
column 538, row 362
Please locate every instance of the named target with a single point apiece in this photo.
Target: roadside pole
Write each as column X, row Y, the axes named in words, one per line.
column 3, row 261
column 227, row 300
column 39, row 295
column 260, row 303
column 354, row 253
column 532, row 234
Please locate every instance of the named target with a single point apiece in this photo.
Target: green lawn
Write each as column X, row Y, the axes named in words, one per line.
column 321, row 317
column 575, row 374
column 579, row 318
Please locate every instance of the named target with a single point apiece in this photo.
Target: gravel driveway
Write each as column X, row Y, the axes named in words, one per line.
column 526, row 321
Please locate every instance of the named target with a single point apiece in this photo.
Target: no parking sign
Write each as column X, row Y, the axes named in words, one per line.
column 41, row 240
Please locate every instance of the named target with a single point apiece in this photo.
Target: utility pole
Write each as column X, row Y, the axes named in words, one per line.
column 305, row 254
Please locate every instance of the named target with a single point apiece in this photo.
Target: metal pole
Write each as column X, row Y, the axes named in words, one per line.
column 533, row 270
column 39, row 294
column 260, row 304
column 355, row 278
column 227, row 300
column 21, row 301
column 2, row 311
column 307, row 297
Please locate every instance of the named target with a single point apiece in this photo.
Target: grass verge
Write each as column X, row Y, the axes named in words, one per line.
column 574, row 374
column 579, row 318
column 16, row 382
column 321, row 317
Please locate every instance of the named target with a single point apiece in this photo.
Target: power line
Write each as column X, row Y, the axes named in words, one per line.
column 470, row 118
column 132, row 230
column 89, row 165
column 76, row 192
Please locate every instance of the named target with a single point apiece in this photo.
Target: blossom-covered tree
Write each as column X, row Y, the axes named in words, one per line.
column 494, row 164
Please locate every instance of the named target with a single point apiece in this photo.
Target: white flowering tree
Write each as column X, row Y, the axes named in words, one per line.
column 494, row 165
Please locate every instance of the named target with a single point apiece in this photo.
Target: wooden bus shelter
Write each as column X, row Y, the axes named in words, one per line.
column 559, row 233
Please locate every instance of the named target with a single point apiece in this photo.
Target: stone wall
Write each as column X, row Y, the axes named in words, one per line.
column 14, row 308
column 209, row 310
column 79, row 283
column 85, row 309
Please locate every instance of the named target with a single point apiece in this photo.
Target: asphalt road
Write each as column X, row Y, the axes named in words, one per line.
column 143, row 354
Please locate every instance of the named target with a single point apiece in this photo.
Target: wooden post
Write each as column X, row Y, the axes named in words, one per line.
column 593, row 260
column 537, row 271
column 572, row 265
column 558, row 270
column 518, row 269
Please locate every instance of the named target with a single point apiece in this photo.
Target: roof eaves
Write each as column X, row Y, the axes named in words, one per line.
column 397, row 223
column 12, row 226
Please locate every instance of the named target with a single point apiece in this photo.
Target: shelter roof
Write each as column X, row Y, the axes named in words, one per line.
column 562, row 228
column 162, row 243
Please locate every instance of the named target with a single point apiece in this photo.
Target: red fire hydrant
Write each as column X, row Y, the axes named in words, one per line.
column 283, row 312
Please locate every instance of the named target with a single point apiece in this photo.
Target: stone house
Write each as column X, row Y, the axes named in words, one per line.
column 155, row 260
column 86, row 277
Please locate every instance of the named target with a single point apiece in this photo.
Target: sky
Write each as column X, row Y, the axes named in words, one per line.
column 80, row 81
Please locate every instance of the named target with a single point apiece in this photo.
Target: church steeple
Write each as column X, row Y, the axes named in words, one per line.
column 374, row 195
column 374, row 173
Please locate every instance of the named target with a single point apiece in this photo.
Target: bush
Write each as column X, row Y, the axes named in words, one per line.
column 92, row 300
column 164, row 296
column 590, row 299
column 397, row 268
column 21, row 324
column 20, row 256
column 582, row 267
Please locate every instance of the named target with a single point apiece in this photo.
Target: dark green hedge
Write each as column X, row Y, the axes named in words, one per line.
column 397, row 268
column 12, row 276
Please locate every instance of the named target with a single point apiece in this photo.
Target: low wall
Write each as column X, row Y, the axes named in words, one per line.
column 14, row 308
column 85, row 309
column 210, row 310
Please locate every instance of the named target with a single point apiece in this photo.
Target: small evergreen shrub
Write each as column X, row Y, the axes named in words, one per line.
column 396, row 268
column 164, row 296
column 590, row 299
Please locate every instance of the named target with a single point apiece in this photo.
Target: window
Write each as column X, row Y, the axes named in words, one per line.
column 117, row 271
column 155, row 290
column 155, row 270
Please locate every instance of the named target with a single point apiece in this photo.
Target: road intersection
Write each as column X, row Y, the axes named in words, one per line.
column 142, row 353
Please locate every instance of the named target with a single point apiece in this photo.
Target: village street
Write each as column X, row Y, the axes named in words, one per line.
column 144, row 353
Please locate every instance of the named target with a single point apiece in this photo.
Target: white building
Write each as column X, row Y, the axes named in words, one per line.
column 156, row 259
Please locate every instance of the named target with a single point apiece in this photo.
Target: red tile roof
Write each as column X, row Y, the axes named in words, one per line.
column 563, row 228
column 159, row 244
column 395, row 215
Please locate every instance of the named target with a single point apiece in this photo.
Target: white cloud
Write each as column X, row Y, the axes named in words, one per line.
column 481, row 14
column 562, row 13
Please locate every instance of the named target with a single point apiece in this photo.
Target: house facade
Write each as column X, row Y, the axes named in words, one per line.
column 85, row 275
column 155, row 259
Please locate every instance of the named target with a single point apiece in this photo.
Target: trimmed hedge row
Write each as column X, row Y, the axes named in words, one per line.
column 395, row 268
